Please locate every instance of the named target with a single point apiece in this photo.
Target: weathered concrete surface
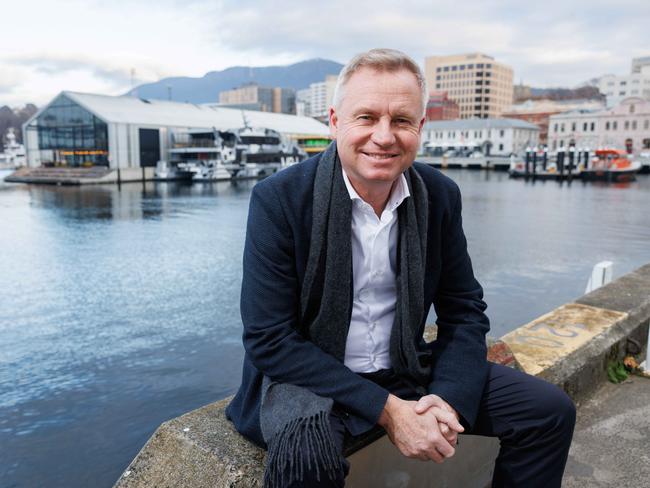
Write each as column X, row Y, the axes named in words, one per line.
column 546, row 340
column 381, row 466
column 611, row 444
column 198, row 449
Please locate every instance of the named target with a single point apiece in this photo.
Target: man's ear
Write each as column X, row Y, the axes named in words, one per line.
column 421, row 124
column 334, row 120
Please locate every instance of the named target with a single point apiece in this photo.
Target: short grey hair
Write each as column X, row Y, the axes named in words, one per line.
column 381, row 60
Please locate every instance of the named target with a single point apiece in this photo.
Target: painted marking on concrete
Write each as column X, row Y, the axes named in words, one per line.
column 541, row 343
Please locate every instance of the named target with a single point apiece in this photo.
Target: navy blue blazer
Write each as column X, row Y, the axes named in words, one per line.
column 275, row 257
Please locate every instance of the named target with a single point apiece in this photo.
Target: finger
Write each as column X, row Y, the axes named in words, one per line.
column 428, row 401
column 444, row 448
column 448, row 418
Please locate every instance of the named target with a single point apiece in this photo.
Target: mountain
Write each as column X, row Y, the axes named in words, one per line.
column 206, row 89
column 15, row 118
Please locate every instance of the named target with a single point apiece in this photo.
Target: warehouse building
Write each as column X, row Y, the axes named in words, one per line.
column 81, row 129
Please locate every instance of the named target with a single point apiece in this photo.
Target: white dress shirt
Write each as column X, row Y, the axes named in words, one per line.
column 374, row 254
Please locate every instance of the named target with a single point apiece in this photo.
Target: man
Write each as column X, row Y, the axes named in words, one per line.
column 345, row 253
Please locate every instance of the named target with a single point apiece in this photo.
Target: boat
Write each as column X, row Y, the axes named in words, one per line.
column 14, row 153
column 611, row 165
column 265, row 151
column 216, row 155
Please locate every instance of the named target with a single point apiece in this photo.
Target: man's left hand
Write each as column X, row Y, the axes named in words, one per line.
column 441, row 410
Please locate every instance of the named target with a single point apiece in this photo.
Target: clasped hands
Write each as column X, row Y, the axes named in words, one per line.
column 427, row 429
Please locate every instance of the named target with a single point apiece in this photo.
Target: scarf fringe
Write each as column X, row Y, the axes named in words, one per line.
column 285, row 462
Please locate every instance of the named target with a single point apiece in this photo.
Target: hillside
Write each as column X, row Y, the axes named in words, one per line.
column 206, row 89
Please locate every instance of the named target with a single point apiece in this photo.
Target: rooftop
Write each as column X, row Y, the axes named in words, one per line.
column 474, row 124
column 131, row 110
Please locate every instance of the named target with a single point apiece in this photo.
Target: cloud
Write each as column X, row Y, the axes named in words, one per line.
column 96, row 44
column 558, row 42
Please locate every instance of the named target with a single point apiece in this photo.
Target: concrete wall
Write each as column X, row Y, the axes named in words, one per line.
column 569, row 346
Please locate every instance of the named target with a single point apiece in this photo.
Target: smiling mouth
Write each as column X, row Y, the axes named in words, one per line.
column 380, row 155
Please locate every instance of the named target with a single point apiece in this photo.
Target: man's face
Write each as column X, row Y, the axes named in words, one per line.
column 377, row 126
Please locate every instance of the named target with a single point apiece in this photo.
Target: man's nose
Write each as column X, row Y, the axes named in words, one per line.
column 382, row 135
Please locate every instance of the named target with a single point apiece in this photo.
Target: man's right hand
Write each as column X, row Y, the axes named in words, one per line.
column 418, row 435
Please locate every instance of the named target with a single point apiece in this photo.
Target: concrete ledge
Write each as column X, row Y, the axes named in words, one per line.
column 198, row 449
column 570, row 347
column 80, row 176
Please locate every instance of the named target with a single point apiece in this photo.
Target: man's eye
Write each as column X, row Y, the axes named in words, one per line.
column 403, row 121
column 364, row 117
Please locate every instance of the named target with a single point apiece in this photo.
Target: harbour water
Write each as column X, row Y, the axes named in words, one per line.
column 119, row 305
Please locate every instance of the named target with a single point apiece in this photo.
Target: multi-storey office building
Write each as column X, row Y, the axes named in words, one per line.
column 440, row 107
column 617, row 88
column 496, row 137
column 625, row 126
column 252, row 96
column 481, row 86
column 321, row 96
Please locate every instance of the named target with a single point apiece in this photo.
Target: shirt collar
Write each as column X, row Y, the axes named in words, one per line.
column 398, row 193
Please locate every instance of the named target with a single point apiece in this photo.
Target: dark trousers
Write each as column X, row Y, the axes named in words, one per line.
column 532, row 418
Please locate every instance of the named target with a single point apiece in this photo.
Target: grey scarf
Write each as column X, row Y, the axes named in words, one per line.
column 291, row 416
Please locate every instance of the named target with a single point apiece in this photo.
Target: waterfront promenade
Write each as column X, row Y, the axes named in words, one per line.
column 610, row 444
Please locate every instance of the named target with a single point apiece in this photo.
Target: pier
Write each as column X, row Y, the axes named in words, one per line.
column 570, row 346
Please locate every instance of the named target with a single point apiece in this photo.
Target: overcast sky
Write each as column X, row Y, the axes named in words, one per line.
column 47, row 46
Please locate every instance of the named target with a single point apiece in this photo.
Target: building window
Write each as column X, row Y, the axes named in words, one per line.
column 446, row 68
column 593, row 126
column 623, row 83
column 438, row 69
column 627, row 124
column 501, row 133
column 573, row 127
column 646, row 143
column 614, row 125
column 646, row 124
column 561, row 143
column 632, row 108
column 500, row 147
column 554, row 127
column 634, row 125
column 607, row 125
column 584, row 127
column 621, row 93
column 561, row 127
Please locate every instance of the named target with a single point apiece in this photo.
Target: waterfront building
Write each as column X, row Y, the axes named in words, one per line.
column 252, row 96
column 481, row 86
column 538, row 112
column 440, row 107
column 82, row 129
column 495, row 137
column 635, row 84
column 625, row 126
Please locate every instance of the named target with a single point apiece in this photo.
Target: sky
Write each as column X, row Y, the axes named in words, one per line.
column 107, row 47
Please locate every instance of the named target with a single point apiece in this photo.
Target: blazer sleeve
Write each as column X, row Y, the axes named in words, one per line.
column 459, row 353
column 270, row 303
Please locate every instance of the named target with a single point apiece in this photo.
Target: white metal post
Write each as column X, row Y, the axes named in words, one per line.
column 600, row 275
